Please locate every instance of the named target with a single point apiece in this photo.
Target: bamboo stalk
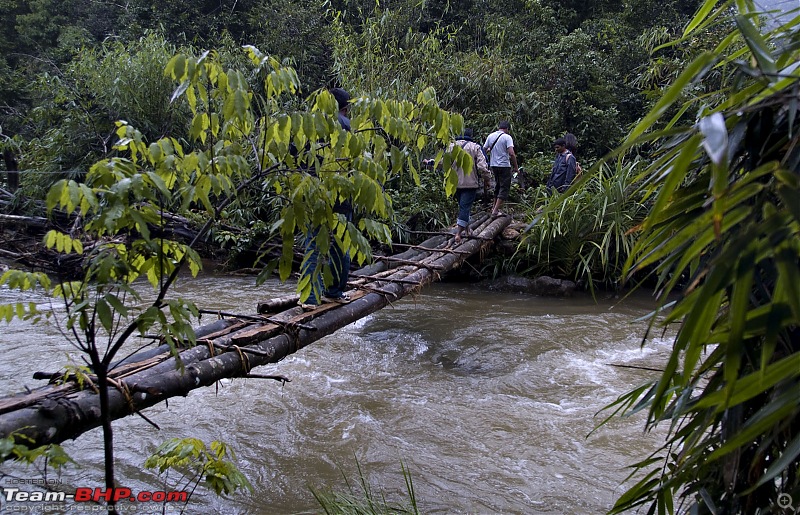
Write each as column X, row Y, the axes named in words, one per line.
column 409, row 262
column 388, row 279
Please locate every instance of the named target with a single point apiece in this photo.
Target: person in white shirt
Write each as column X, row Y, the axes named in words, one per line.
column 499, row 147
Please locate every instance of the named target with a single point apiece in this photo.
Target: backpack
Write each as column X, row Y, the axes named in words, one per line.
column 578, row 169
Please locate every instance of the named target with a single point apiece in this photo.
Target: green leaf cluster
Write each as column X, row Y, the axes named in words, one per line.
column 242, row 132
column 724, row 236
column 17, row 447
column 24, row 281
column 198, row 463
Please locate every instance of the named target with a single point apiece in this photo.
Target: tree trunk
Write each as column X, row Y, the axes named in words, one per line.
column 12, row 169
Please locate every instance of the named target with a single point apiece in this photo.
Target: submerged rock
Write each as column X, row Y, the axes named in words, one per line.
column 542, row 285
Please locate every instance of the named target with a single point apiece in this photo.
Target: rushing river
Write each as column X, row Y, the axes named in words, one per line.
column 486, row 398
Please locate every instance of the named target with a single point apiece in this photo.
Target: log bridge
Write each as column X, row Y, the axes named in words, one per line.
column 235, row 344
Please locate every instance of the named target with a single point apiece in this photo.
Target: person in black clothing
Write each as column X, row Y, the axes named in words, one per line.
column 339, row 258
column 343, row 99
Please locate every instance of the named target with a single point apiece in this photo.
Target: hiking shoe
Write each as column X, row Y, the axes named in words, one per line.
column 307, row 307
column 344, row 299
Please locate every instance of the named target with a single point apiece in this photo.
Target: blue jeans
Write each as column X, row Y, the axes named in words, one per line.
column 339, row 263
column 466, row 197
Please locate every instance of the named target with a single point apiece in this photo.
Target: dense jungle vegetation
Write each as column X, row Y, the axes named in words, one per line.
column 686, row 114
column 71, row 69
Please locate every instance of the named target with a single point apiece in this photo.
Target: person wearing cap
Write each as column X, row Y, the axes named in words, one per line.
column 499, row 147
column 339, row 258
column 343, row 100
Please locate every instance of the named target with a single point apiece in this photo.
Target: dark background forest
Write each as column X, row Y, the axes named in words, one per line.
column 69, row 68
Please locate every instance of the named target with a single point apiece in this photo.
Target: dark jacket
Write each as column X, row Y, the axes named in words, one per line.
column 563, row 172
column 345, row 207
column 342, row 207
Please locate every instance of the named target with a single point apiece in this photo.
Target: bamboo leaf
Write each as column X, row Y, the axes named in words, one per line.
column 700, row 17
column 692, row 72
column 771, row 416
column 758, row 46
column 739, row 304
column 754, row 384
column 787, row 459
column 675, row 175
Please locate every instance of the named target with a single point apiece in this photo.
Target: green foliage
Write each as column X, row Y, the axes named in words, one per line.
column 546, row 67
column 723, row 235
column 536, row 68
column 23, row 281
column 53, row 455
column 385, row 57
column 305, row 157
column 196, row 462
column 365, row 501
column 420, row 207
column 126, row 81
column 279, row 26
column 583, row 97
column 584, row 235
column 76, row 106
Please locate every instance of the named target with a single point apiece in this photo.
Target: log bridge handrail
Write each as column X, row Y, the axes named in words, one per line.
column 232, row 347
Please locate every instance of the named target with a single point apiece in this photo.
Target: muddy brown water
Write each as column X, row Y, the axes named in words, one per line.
column 486, row 398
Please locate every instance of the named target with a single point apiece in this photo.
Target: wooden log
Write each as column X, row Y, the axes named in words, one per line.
column 278, row 304
column 377, row 278
column 382, row 266
column 32, row 221
column 426, row 249
column 409, row 262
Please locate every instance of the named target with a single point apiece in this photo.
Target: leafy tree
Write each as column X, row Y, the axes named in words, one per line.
column 55, row 30
column 723, row 236
column 582, row 95
column 299, row 31
column 641, row 15
column 77, row 105
column 384, row 56
column 239, row 135
column 199, row 22
column 14, row 82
